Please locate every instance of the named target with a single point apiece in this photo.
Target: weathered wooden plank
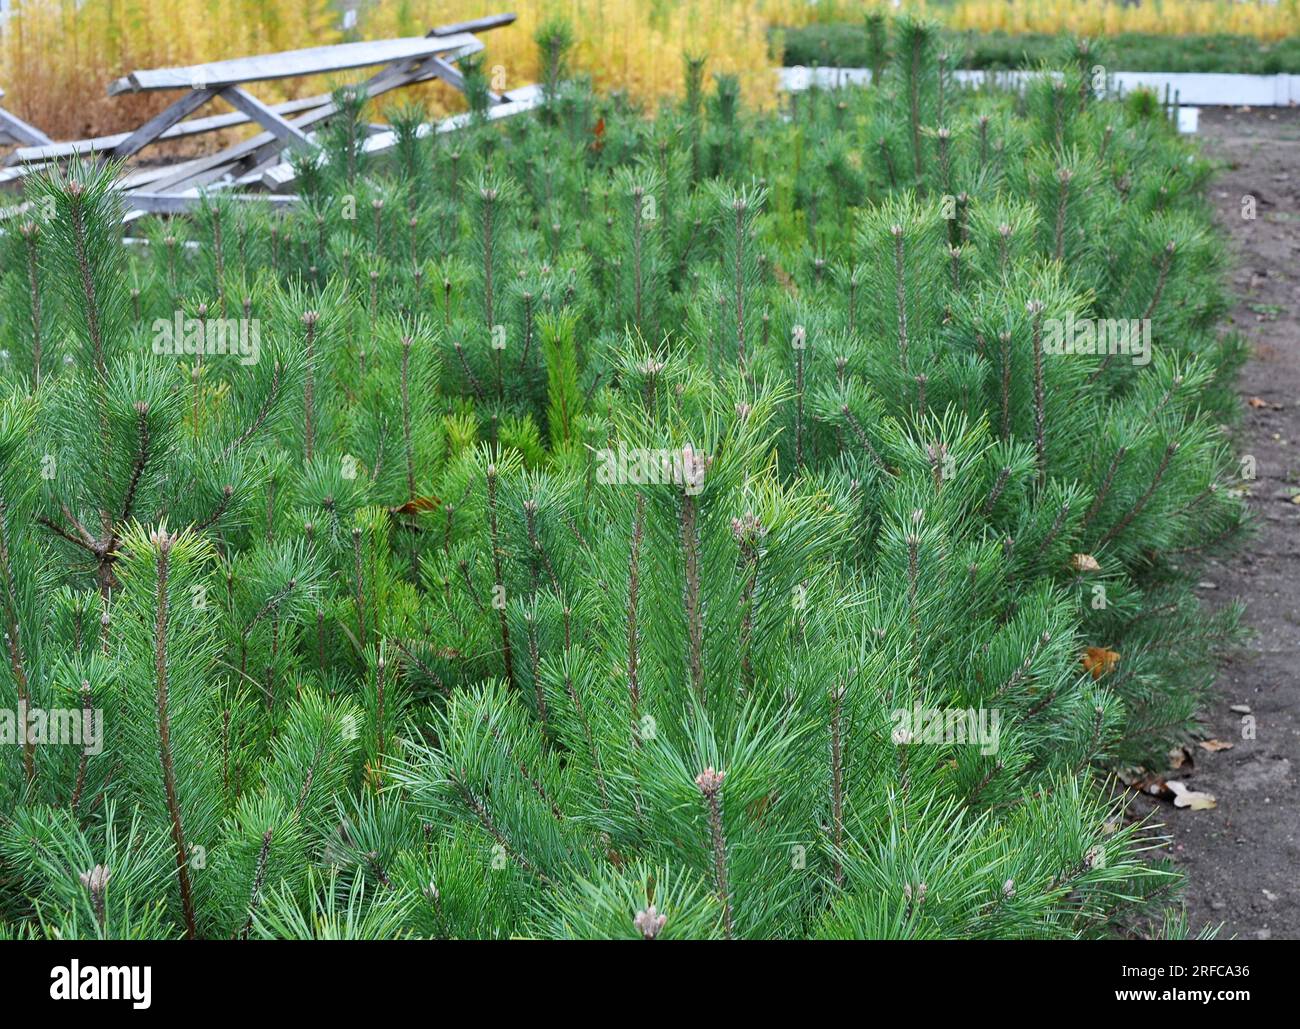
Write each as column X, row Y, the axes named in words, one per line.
column 452, row 75
column 138, row 178
column 179, row 203
column 283, row 130
column 192, row 127
column 258, row 148
column 163, row 120
column 516, row 101
column 14, row 176
column 18, row 130
column 488, row 21
column 289, row 64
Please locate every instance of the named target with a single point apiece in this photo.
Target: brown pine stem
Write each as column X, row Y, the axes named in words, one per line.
column 219, row 256
column 1104, row 491
column 914, row 104
column 1166, row 262
column 489, row 197
column 710, row 784
column 861, row 436
column 499, row 589
column 739, row 206
column 748, row 531
column 592, row 748
column 164, row 543
column 309, row 386
column 259, row 878
column 485, row 819
column 141, row 457
column 530, row 521
column 359, row 586
column 77, row 213
column 883, row 145
column 17, row 662
column 837, row 782
column 900, row 292
column 85, row 758
column 31, row 233
column 633, row 633
column 380, row 669
column 1141, row 503
column 1040, row 395
column 1057, row 522
column 1063, row 176
column 534, row 661
column 406, row 417
column 798, row 398
column 691, row 598
column 469, row 372
column 638, row 232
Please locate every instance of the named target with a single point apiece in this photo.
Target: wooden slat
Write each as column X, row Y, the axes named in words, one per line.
column 489, row 21
column 12, row 176
column 162, row 121
column 516, row 101
column 261, row 146
column 451, row 75
column 285, row 131
column 17, row 129
column 191, row 127
column 289, row 64
column 177, row 203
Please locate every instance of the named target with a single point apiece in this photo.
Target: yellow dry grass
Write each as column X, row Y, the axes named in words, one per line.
column 57, row 56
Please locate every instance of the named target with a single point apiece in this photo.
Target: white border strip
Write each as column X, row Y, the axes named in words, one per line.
column 1204, row 88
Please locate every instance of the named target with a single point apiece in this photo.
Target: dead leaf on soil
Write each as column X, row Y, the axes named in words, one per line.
column 1144, row 781
column 1216, row 745
column 1196, row 800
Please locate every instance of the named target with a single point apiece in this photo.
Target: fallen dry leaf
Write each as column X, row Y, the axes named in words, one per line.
column 416, row 505
column 1084, row 563
column 1098, row 661
column 1178, row 757
column 1194, row 799
column 1215, row 745
column 1143, row 781
column 1257, row 402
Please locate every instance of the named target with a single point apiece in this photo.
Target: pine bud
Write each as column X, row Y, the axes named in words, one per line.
column 96, row 880
column 709, row 781
column 648, row 922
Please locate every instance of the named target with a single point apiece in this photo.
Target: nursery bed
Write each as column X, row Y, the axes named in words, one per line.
column 1239, row 858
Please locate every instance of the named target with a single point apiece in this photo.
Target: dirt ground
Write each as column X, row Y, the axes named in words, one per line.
column 1242, row 859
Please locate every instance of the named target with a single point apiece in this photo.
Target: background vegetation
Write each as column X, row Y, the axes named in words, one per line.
column 845, row 45
column 58, row 56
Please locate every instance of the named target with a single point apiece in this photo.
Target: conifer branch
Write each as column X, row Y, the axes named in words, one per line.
column 164, row 541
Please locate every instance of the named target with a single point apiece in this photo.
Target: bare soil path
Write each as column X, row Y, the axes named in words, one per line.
column 1242, row 860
